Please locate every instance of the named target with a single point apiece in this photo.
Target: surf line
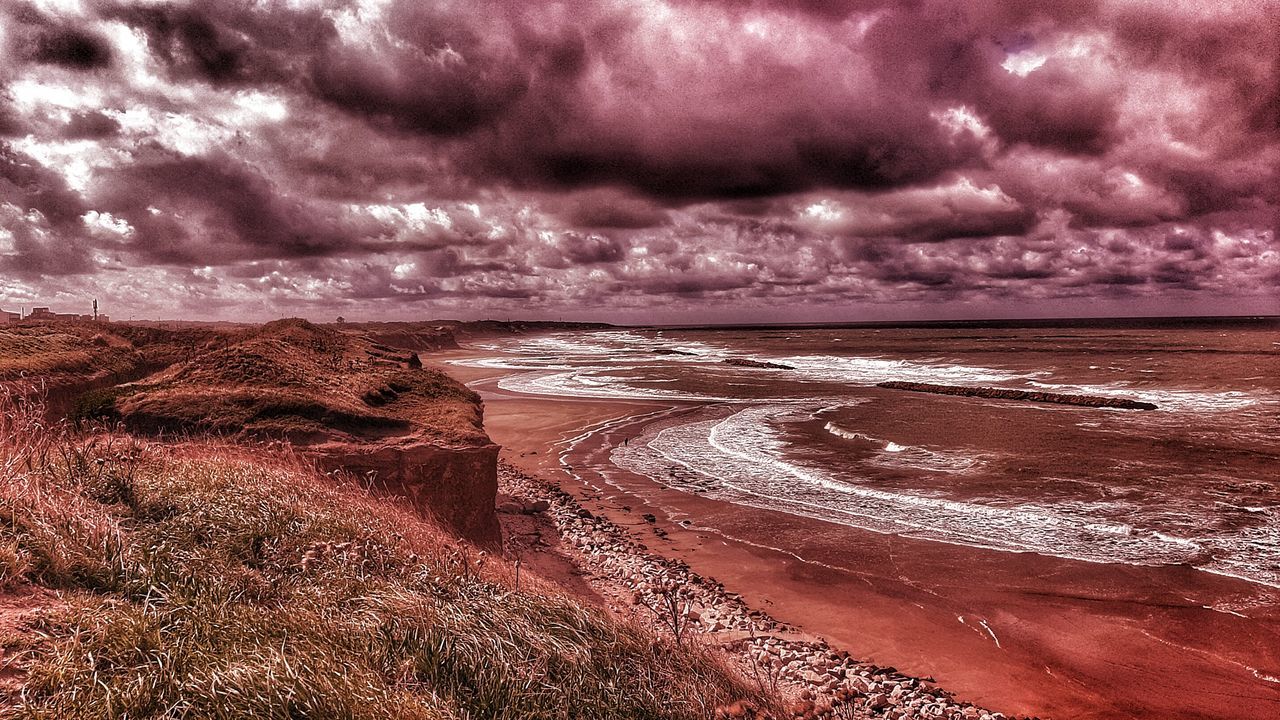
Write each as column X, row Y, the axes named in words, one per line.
column 606, row 426
column 570, row 445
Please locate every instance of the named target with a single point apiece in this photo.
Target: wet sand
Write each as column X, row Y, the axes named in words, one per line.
column 1019, row 633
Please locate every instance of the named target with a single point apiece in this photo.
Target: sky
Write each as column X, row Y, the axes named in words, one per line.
column 640, row 160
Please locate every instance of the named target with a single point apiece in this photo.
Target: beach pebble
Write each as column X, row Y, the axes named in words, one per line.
column 860, row 684
column 878, row 701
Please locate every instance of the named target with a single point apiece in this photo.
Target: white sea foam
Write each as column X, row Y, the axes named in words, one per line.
column 895, row 455
column 1173, row 400
column 582, row 383
column 604, row 349
column 872, row 370
column 1246, row 508
column 840, row 432
column 512, row 363
column 739, row 458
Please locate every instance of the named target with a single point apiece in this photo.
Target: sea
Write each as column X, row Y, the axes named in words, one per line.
column 792, row 419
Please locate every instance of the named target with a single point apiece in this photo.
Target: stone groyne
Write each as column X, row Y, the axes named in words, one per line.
column 1095, row 401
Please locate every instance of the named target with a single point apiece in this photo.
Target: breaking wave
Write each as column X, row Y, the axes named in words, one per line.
column 740, row 458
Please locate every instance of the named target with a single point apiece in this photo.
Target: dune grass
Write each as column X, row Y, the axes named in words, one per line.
column 207, row 580
column 68, row 349
column 291, row 379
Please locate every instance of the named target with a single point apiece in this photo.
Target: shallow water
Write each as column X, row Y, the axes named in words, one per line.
column 1193, row 482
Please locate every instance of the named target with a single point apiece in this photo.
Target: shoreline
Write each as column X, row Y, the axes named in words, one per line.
column 1016, row 632
column 618, row 572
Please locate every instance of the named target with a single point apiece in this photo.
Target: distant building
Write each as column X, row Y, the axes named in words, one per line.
column 44, row 313
column 9, row 317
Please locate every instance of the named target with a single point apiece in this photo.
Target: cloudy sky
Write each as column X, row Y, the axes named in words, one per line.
column 633, row 160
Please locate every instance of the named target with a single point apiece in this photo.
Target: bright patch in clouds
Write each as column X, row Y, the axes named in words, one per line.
column 1024, row 63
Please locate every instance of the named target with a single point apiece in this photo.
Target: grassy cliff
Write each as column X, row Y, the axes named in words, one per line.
column 349, row 400
column 291, row 379
column 210, row 580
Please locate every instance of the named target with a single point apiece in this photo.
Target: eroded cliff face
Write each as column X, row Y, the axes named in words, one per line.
column 457, row 486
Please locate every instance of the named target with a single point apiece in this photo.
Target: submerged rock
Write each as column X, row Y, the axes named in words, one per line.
column 747, row 362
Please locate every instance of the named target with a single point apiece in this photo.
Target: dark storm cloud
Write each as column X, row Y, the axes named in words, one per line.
column 31, row 187
column 91, row 126
column 10, row 124
column 746, row 121
column 435, row 74
column 519, row 88
column 608, row 209
column 613, row 154
column 590, row 249
column 214, row 209
column 41, row 217
column 227, row 43
column 944, row 52
column 1239, row 51
column 34, row 36
column 70, row 48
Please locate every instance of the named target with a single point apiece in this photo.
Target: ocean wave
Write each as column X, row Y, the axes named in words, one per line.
column 567, row 351
column 582, row 383
column 512, row 363
column 895, row 455
column 840, row 432
column 740, row 458
column 1174, row 400
column 871, row 370
column 737, row 454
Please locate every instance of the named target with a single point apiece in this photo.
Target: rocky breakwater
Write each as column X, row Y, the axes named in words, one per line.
column 748, row 362
column 1095, row 401
column 342, row 399
column 814, row 679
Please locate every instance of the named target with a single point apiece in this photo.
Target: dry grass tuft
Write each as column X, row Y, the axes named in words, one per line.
column 217, row 581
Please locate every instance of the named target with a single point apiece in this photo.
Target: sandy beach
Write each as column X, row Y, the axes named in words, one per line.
column 1019, row 633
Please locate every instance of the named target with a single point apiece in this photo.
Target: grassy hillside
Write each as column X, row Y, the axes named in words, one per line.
column 63, row 354
column 73, row 351
column 215, row 581
column 291, row 379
